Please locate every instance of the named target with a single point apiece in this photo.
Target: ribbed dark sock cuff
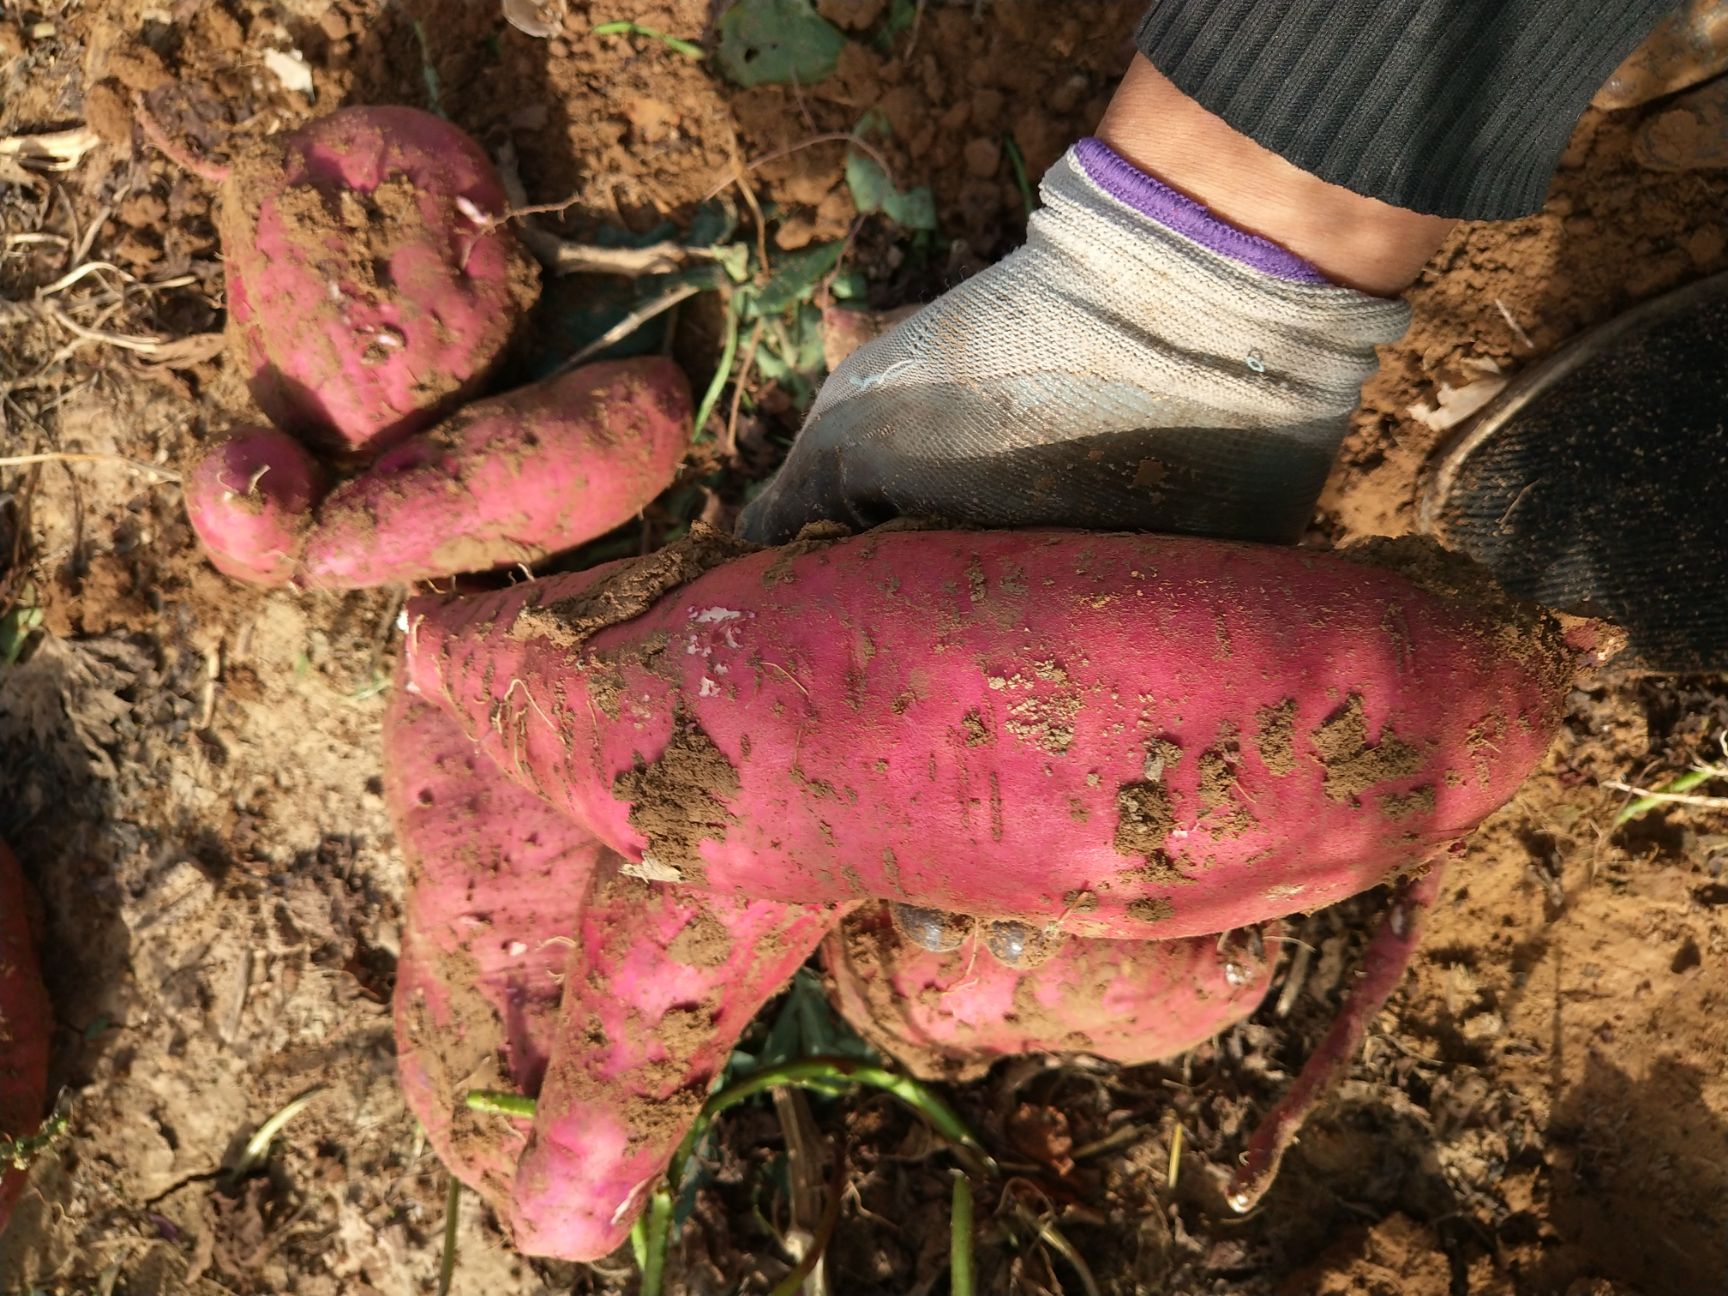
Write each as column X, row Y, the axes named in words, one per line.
column 1452, row 107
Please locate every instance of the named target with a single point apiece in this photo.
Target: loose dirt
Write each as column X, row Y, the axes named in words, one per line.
column 189, row 770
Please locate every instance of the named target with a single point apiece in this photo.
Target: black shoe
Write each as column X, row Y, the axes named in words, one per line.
column 1598, row 482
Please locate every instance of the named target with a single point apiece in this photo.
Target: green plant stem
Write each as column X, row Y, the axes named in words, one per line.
column 497, row 1102
column 717, row 384
column 452, row 1208
column 1683, row 783
column 1018, row 163
column 428, row 73
column 656, row 1232
column 624, row 27
column 825, row 1070
column 960, row 1239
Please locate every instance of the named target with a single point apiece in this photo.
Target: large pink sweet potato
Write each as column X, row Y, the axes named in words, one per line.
column 250, row 499
column 508, row 480
column 1130, row 736
column 496, row 879
column 660, row 985
column 948, row 1016
column 25, row 1024
column 369, row 284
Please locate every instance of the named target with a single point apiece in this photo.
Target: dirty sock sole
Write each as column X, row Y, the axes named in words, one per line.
column 1598, row 482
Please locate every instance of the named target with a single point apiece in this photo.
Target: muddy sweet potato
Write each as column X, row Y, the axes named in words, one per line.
column 371, row 285
column 510, row 909
column 508, row 480
column 660, row 985
column 250, row 499
column 1128, row 736
column 949, row 1015
column 25, row 1024
column 496, row 879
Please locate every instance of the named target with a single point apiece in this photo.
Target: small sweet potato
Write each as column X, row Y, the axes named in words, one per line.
column 660, row 985
column 371, row 283
column 495, row 882
column 948, row 1016
column 508, row 480
column 25, row 1024
column 250, row 499
column 1129, row 736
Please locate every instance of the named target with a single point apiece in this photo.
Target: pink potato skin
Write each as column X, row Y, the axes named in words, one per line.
column 508, row 480
column 26, row 1022
column 364, row 293
column 1130, row 736
column 948, row 1016
column 660, row 985
column 250, row 499
column 496, row 879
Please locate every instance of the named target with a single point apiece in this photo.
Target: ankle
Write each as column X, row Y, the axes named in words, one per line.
column 1354, row 240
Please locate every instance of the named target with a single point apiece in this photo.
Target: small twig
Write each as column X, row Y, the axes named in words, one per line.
column 1517, row 330
column 828, row 137
column 1110, row 1142
column 67, row 456
column 51, row 151
column 203, row 168
column 1173, row 1171
column 729, row 446
column 749, row 192
column 1673, row 792
column 259, row 1144
column 792, row 1282
column 1053, row 1238
column 629, row 324
column 1294, row 978
column 145, row 345
column 447, row 1262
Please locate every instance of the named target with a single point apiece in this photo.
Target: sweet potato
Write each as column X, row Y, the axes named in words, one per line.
column 510, row 908
column 250, row 499
column 660, row 985
column 25, row 1024
column 495, row 882
column 508, row 480
column 1128, row 736
column 371, row 283
column 948, row 1016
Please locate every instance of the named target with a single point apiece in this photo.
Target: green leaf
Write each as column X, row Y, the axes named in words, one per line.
column 765, row 42
column 794, row 281
column 872, row 191
column 901, row 14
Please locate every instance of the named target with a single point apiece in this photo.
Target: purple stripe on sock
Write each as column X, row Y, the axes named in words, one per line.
column 1129, row 185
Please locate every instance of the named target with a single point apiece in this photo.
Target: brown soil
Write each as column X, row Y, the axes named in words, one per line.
column 189, row 770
